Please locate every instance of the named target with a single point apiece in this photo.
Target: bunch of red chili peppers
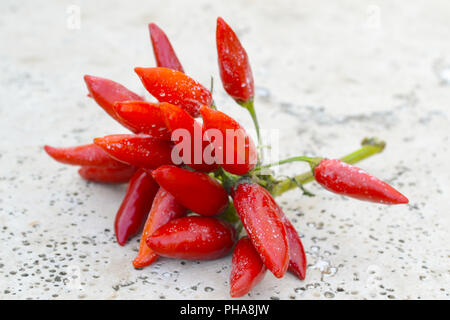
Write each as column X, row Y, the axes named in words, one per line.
column 196, row 209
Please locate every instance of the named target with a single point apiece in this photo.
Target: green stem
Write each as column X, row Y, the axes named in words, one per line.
column 251, row 109
column 312, row 161
column 370, row 146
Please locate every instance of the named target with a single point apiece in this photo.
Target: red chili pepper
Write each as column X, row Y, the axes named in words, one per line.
column 342, row 178
column 297, row 256
column 164, row 54
column 259, row 214
column 85, row 155
column 194, row 190
column 247, row 268
column 234, row 67
column 164, row 209
column 234, row 149
column 175, row 119
column 143, row 117
column 193, row 238
column 107, row 92
column 135, row 206
column 175, row 87
column 138, row 150
column 107, row 175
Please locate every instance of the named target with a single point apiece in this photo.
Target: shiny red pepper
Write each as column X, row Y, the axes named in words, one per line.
column 347, row 180
column 177, row 119
column 174, row 87
column 107, row 92
column 260, row 217
column 138, row 150
column 234, row 149
column 107, row 175
column 194, row 190
column 135, row 206
column 164, row 54
column 234, row 66
column 143, row 117
column 247, row 268
column 164, row 209
column 85, row 155
column 297, row 256
column 193, row 238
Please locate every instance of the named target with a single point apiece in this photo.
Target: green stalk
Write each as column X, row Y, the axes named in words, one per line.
column 370, row 146
column 251, row 109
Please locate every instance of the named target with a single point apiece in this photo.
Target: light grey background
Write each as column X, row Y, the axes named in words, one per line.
column 328, row 73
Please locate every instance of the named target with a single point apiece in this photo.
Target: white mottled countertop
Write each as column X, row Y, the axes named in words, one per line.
column 327, row 74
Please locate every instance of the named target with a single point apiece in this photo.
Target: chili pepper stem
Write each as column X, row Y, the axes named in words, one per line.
column 312, row 162
column 251, row 109
column 370, row 147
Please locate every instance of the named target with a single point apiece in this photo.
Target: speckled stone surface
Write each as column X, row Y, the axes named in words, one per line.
column 327, row 74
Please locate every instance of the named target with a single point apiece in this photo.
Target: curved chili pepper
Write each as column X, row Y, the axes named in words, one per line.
column 247, row 268
column 342, row 178
column 107, row 92
column 194, row 190
column 164, row 54
column 260, row 217
column 297, row 256
column 176, row 119
column 164, row 209
column 143, row 117
column 193, row 238
column 135, row 206
column 138, row 150
column 107, row 175
column 85, row 155
column 174, row 87
column 234, row 149
column 234, row 67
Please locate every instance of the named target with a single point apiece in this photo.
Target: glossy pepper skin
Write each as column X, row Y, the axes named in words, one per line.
column 193, row 238
column 107, row 175
column 175, row 119
column 107, row 92
column 297, row 256
column 174, row 87
column 162, row 48
column 237, row 155
column 138, row 150
column 143, row 117
column 194, row 190
column 342, row 178
column 164, row 209
column 260, row 217
column 234, row 65
column 85, row 155
column 247, row 268
column 135, row 206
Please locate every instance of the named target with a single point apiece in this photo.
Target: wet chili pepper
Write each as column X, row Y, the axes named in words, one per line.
column 138, row 150
column 143, row 117
column 234, row 66
column 234, row 149
column 107, row 175
column 347, row 180
column 176, row 119
column 85, row 155
column 193, row 238
column 260, row 217
column 297, row 256
column 135, row 206
column 164, row 209
column 107, row 92
column 247, row 268
column 194, row 190
column 174, row 87
column 162, row 48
